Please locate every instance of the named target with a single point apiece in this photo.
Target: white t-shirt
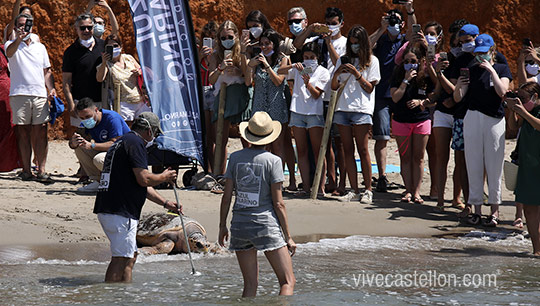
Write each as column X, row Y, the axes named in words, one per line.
column 302, row 102
column 354, row 98
column 26, row 67
column 340, row 45
column 537, row 78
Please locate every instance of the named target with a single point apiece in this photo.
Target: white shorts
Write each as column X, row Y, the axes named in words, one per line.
column 121, row 232
column 29, row 110
column 443, row 120
column 130, row 111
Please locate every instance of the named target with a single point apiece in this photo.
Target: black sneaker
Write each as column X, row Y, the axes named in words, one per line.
column 382, row 184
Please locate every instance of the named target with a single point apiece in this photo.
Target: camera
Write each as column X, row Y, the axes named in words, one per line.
column 393, row 19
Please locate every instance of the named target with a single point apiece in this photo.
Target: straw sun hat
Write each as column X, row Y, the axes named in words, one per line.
column 260, row 129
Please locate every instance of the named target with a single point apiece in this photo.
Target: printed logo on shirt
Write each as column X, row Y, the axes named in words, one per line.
column 107, row 167
column 248, row 184
column 104, row 135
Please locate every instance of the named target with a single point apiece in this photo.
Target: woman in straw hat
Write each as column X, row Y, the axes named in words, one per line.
column 259, row 220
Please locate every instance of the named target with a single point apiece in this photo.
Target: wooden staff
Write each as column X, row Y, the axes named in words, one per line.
column 326, row 134
column 219, row 130
column 116, row 106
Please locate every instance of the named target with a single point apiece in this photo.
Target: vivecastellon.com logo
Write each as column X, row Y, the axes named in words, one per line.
column 424, row 279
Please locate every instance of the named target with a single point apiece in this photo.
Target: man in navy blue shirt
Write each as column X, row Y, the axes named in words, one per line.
column 125, row 185
column 386, row 42
column 105, row 127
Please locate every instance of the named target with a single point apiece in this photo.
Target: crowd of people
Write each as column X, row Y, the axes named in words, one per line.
column 401, row 81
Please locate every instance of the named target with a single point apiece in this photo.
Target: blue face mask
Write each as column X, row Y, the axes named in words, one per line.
column 296, row 28
column 431, row 40
column 228, row 43
column 468, row 47
column 89, row 123
column 355, row 48
column 99, row 29
column 456, row 51
column 410, row 66
column 394, row 30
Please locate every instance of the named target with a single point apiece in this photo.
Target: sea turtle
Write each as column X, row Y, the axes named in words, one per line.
column 161, row 233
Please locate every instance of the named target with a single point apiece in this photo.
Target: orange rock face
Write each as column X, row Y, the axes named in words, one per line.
column 508, row 21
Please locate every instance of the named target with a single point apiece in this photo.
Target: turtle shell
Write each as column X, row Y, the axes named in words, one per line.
column 155, row 224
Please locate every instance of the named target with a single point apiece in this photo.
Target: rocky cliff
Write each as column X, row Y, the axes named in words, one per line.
column 508, row 21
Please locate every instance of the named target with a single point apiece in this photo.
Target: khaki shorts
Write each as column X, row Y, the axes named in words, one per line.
column 29, row 110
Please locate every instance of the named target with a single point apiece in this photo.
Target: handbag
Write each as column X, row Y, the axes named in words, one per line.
column 510, row 175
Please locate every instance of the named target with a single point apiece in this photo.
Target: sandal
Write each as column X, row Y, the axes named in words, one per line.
column 439, row 208
column 418, row 200
column 491, row 221
column 407, row 198
column 518, row 223
column 474, row 219
column 25, row 176
column 291, row 188
column 459, row 205
column 217, row 189
column 44, row 178
column 338, row 193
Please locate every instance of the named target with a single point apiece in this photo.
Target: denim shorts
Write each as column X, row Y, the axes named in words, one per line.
column 458, row 142
column 248, row 235
column 352, row 118
column 306, row 121
column 381, row 119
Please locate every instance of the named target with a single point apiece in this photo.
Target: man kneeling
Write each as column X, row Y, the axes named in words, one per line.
column 105, row 127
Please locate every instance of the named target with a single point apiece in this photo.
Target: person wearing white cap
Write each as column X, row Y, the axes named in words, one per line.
column 484, row 126
column 259, row 220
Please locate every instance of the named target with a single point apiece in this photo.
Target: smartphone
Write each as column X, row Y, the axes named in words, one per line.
column 109, row 50
column 464, row 72
column 322, row 29
column 431, row 51
column 307, row 70
column 227, row 53
column 416, row 28
column 398, row 2
column 28, row 25
column 526, row 42
column 511, row 95
column 256, row 51
column 207, row 42
column 345, row 60
column 443, row 56
column 245, row 33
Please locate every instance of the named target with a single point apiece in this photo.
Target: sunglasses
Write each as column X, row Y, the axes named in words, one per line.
column 529, row 62
column 290, row 22
column 87, row 28
column 115, row 46
column 410, row 62
column 226, row 37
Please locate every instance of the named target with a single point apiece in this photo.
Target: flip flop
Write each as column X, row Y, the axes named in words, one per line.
column 407, row 198
column 491, row 221
column 44, row 178
column 418, row 200
column 217, row 189
column 459, row 206
column 474, row 219
column 518, row 223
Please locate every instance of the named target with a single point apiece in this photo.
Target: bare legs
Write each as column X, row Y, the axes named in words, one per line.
column 411, row 151
column 281, row 263
column 290, row 159
column 433, row 160
column 315, row 135
column 380, row 156
column 210, row 139
column 361, row 135
column 532, row 215
column 120, row 269
column 443, row 136
column 25, row 134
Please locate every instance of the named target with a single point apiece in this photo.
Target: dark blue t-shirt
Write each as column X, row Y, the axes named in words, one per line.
column 386, row 51
column 404, row 114
column 111, row 125
column 481, row 95
column 119, row 193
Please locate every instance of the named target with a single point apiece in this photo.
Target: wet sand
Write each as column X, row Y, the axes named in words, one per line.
column 34, row 214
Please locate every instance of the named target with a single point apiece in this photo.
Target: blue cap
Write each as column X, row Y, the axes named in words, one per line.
column 469, row 29
column 57, row 108
column 483, row 43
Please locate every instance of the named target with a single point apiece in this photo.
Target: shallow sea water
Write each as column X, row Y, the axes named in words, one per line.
column 328, row 272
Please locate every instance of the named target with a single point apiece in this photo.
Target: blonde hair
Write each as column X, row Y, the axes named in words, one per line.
column 225, row 26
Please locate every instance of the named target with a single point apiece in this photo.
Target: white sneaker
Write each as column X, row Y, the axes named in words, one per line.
column 350, row 196
column 91, row 188
column 367, row 197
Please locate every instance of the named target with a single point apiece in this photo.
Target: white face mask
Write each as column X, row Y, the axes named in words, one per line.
column 256, row 32
column 269, row 53
column 87, row 43
column 431, row 40
column 311, row 63
column 532, row 69
column 116, row 52
column 335, row 29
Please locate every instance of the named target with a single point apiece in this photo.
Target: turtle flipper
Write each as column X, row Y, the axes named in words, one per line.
column 164, row 247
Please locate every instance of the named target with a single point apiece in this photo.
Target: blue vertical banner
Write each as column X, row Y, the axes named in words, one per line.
column 166, row 48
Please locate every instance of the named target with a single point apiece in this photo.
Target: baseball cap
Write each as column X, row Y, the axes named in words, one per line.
column 149, row 118
column 469, row 29
column 483, row 43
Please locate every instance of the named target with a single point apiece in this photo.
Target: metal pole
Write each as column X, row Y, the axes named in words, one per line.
column 184, row 229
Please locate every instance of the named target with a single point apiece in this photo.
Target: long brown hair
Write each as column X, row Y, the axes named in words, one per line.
column 228, row 25
column 364, row 53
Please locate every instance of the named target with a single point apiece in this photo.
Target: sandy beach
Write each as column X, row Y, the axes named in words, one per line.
column 32, row 213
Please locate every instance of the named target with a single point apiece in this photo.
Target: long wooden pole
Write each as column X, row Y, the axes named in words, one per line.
column 219, row 129
column 116, row 106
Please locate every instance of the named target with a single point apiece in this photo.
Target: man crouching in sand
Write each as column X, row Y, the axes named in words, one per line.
column 124, row 186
